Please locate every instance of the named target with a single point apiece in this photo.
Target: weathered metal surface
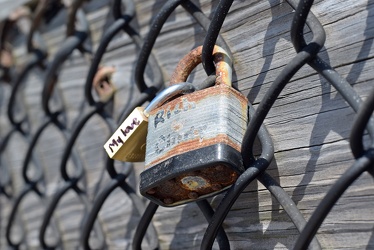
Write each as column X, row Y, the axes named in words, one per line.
column 213, row 116
column 193, row 58
column 192, row 185
column 194, row 121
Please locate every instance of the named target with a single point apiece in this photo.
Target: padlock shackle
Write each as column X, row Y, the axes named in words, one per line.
column 166, row 94
column 189, row 62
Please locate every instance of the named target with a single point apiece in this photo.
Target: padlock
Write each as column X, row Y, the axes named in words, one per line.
column 103, row 84
column 194, row 141
column 128, row 142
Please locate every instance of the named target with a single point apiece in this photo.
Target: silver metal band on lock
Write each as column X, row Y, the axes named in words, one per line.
column 169, row 92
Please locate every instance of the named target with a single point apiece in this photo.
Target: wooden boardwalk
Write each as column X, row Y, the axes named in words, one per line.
column 309, row 124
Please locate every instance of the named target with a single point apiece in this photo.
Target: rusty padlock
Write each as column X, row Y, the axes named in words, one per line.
column 128, row 142
column 193, row 141
column 103, row 84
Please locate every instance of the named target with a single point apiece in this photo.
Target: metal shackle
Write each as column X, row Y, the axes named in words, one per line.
column 222, row 62
column 166, row 94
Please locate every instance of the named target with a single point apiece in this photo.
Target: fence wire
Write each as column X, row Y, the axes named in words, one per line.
column 255, row 166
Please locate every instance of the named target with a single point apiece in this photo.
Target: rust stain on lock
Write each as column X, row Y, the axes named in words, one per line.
column 186, row 65
column 175, row 109
column 194, row 182
column 223, row 66
column 194, row 185
column 191, row 60
column 103, row 84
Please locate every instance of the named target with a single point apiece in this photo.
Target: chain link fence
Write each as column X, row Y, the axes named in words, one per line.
column 56, row 181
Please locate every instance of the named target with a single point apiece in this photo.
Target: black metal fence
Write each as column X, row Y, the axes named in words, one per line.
column 255, row 166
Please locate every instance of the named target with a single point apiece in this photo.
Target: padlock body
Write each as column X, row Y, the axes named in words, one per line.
column 128, row 142
column 193, row 146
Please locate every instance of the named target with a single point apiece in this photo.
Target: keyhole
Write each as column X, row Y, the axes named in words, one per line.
column 104, row 81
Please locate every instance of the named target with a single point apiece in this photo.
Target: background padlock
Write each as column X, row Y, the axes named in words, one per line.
column 193, row 142
column 103, row 84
